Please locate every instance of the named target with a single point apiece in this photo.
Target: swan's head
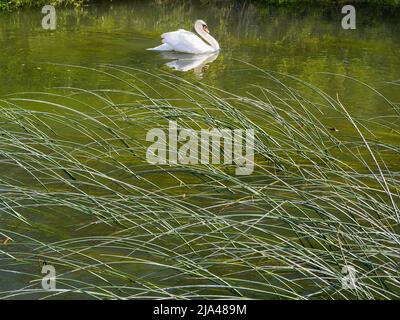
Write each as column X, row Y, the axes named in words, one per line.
column 201, row 25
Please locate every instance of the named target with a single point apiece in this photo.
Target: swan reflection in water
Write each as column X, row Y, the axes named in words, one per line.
column 185, row 62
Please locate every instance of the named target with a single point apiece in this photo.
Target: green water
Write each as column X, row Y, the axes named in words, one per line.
column 306, row 44
column 302, row 43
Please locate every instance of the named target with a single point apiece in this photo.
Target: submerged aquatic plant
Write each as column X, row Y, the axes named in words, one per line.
column 319, row 200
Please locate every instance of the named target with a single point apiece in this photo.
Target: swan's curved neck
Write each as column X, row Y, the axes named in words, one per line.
column 210, row 39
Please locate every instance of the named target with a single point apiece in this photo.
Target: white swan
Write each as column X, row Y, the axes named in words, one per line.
column 186, row 41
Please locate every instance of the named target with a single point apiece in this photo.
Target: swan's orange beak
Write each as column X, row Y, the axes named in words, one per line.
column 205, row 28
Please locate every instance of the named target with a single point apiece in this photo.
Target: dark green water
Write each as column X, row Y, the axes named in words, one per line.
column 302, row 43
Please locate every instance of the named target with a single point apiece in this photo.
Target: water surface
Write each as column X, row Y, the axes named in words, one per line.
column 306, row 44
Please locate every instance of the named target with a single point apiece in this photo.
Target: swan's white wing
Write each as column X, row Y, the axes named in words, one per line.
column 161, row 47
column 185, row 41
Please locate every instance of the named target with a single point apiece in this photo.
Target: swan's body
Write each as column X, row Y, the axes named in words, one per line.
column 186, row 41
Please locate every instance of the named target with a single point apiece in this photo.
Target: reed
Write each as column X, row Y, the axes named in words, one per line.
column 319, row 199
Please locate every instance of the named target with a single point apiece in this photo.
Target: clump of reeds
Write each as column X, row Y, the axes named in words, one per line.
column 77, row 193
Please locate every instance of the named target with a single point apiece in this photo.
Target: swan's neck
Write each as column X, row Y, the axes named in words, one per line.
column 206, row 36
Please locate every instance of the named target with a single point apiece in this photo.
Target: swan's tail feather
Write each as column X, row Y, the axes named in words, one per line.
column 162, row 47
